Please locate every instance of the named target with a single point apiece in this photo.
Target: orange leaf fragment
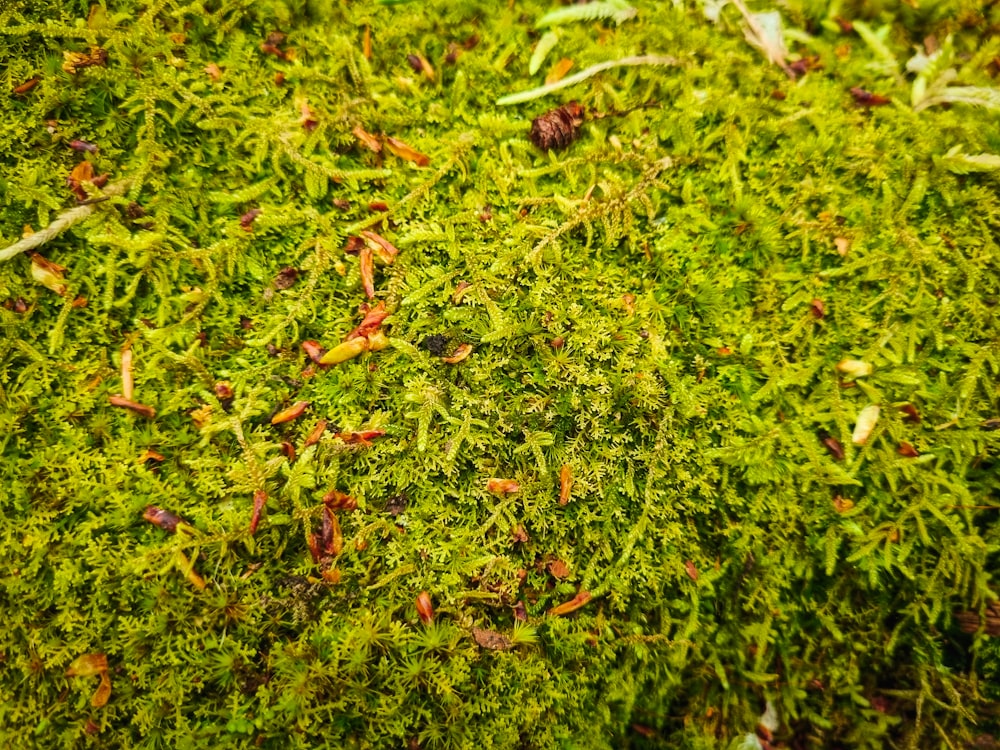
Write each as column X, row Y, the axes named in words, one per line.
column 360, row 437
column 842, row 504
column 907, row 450
column 332, row 536
column 292, row 412
column 572, row 605
column 366, row 43
column 565, row 483
column 406, row 151
column 187, row 567
column 314, row 350
column 367, row 271
column 367, row 139
column 213, row 71
column 502, row 486
column 316, row 434
column 558, row 71
column 141, row 409
column 424, row 608
column 461, row 353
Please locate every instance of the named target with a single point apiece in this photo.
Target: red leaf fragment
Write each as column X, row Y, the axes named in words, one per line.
column 832, row 445
column 163, row 518
column 78, row 145
column 367, row 139
column 865, row 98
column 361, row 438
column 907, row 450
column 332, row 537
column 912, row 415
column 371, row 322
column 259, row 501
column 314, row 350
column 141, row 409
column 337, row 500
column 425, row 609
column 286, row 278
column 247, row 219
column 817, row 308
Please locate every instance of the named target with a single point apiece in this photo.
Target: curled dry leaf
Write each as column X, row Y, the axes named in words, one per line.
column 842, row 504
column 565, row 483
column 314, row 350
column 520, row 612
column 88, row 665
column 317, row 432
column 912, row 415
column 141, row 409
column 163, row 518
column 907, row 450
column 425, row 610
column 405, row 151
column 691, row 570
column 48, row 274
column 367, row 139
column 292, row 412
column 371, row 322
column 559, row 569
column 854, row 368
column 519, row 533
column 492, row 640
column 259, row 501
column 572, row 605
column 73, row 62
column 502, row 486
column 337, row 500
column 461, row 353
column 385, row 250
column 367, row 271
column 865, row 424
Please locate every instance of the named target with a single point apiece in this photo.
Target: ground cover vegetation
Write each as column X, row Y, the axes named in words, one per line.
column 346, row 409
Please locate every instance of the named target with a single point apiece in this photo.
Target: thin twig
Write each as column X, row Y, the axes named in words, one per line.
column 525, row 96
column 65, row 221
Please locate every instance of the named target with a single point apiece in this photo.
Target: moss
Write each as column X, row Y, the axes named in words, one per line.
column 660, row 307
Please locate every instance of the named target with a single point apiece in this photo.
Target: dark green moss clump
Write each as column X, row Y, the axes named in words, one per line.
column 591, row 474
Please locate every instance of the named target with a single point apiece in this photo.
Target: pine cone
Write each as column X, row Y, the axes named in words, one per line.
column 557, row 128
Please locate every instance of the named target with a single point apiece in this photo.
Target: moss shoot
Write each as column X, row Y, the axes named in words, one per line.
column 341, row 414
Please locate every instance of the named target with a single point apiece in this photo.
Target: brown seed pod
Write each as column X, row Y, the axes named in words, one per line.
column 557, row 128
